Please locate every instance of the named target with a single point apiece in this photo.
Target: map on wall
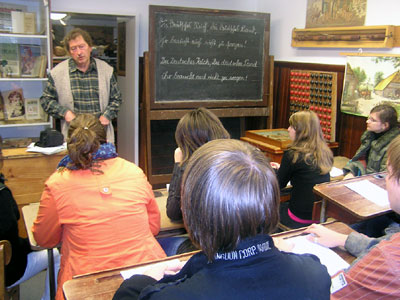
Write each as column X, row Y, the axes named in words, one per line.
column 369, row 81
column 334, row 13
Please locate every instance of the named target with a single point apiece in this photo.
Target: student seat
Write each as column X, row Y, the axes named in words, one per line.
column 5, row 257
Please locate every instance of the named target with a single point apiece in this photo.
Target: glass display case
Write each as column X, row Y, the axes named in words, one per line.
column 25, row 57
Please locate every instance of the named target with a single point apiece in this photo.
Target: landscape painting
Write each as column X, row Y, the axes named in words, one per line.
column 370, row 80
column 335, row 13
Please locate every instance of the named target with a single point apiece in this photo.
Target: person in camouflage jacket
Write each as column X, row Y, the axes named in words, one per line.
column 371, row 156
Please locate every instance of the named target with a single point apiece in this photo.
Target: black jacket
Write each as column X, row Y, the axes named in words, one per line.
column 9, row 216
column 256, row 270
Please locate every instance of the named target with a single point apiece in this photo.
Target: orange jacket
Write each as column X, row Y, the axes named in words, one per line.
column 102, row 220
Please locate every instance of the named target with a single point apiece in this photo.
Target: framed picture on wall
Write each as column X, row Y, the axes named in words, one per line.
column 370, row 80
column 332, row 13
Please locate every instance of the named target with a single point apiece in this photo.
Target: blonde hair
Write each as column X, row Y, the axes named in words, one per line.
column 85, row 135
column 309, row 143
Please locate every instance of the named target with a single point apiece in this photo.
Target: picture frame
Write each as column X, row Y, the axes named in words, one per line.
column 370, row 80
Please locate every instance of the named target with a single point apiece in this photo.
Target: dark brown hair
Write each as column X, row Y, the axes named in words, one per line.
column 386, row 113
column 85, row 135
column 394, row 158
column 196, row 128
column 309, row 143
column 74, row 33
column 229, row 193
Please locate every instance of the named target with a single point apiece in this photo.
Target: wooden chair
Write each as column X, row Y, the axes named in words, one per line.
column 5, row 257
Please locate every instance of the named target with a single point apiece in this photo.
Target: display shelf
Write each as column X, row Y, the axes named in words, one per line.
column 25, row 58
column 383, row 36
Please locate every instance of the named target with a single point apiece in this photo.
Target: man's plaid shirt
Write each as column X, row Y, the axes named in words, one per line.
column 85, row 91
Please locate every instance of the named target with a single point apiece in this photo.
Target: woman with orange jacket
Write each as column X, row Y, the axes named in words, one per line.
column 99, row 207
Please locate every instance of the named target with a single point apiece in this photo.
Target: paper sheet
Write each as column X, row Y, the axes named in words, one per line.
column 370, row 191
column 333, row 262
column 336, row 172
column 140, row 270
column 46, row 150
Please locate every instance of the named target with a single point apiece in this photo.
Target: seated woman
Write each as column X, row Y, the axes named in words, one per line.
column 375, row 275
column 230, row 200
column 99, row 207
column 24, row 263
column 193, row 130
column 371, row 156
column 306, row 163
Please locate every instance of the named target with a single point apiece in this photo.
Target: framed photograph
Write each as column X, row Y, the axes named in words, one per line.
column 14, row 104
column 369, row 81
column 9, row 60
column 31, row 60
column 333, row 13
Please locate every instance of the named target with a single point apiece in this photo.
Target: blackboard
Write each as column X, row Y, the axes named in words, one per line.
column 202, row 57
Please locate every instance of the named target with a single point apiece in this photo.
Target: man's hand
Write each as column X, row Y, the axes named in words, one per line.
column 104, row 121
column 69, row 116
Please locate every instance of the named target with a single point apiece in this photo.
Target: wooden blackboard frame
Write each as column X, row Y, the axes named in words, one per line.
column 262, row 101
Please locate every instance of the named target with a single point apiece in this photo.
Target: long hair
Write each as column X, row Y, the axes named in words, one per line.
column 85, row 135
column 196, row 128
column 229, row 193
column 309, row 143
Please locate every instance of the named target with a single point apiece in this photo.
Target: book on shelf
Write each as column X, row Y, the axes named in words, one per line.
column 14, row 104
column 23, row 22
column 32, row 63
column 5, row 15
column 9, row 60
column 33, row 109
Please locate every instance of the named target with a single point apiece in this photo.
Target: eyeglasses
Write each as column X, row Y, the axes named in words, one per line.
column 80, row 47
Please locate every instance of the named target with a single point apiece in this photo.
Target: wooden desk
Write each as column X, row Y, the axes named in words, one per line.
column 29, row 213
column 26, row 173
column 168, row 227
column 343, row 204
column 102, row 285
column 274, row 152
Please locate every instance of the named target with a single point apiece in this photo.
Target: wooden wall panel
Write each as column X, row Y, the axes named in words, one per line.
column 348, row 127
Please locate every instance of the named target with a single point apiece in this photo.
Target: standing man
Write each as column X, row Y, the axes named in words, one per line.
column 82, row 84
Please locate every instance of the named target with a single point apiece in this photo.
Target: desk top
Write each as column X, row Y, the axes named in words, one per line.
column 337, row 193
column 168, row 228
column 102, row 285
column 17, row 153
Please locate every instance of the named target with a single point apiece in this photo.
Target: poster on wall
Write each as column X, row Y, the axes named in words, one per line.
column 369, row 81
column 335, row 13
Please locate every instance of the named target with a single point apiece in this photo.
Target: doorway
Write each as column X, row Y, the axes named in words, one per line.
column 114, row 41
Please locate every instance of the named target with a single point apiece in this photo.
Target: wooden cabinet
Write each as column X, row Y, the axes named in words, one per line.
column 26, row 174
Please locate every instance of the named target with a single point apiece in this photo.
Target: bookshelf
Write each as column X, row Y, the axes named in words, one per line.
column 25, row 57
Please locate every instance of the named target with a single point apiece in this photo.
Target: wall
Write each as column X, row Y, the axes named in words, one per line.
column 289, row 14
column 285, row 15
column 140, row 8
